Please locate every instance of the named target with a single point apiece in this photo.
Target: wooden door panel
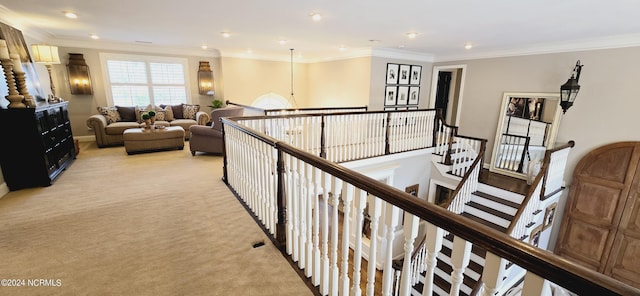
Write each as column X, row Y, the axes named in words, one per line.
column 626, row 265
column 595, row 203
column 612, row 165
column 586, row 243
column 601, row 227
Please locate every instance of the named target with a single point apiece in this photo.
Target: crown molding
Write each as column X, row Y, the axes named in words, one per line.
column 137, row 47
column 611, row 42
column 402, row 55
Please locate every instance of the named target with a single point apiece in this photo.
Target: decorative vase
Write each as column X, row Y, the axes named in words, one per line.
column 147, row 123
column 153, row 120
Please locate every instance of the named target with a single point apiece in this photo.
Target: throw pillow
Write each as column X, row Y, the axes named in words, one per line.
column 189, row 111
column 177, row 111
column 111, row 113
column 161, row 115
column 169, row 113
column 127, row 113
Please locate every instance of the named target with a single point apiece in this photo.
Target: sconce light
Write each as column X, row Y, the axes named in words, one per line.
column 205, row 79
column 48, row 55
column 79, row 78
column 569, row 90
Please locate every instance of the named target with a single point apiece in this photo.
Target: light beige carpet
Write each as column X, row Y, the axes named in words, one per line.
column 158, row 223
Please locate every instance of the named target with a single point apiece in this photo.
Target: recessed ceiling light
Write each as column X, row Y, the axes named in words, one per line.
column 412, row 35
column 342, row 48
column 468, row 46
column 282, row 42
column 94, row 36
column 204, row 46
column 249, row 50
column 70, row 14
column 226, row 34
column 400, row 46
column 374, row 40
column 316, row 17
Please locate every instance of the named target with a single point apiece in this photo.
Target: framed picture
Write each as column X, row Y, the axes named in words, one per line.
column 403, row 95
column 535, row 236
column 413, row 189
column 404, row 74
column 416, row 72
column 414, row 95
column 392, row 73
column 549, row 214
column 390, row 95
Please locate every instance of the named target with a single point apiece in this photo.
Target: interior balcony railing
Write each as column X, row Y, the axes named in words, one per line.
column 313, row 208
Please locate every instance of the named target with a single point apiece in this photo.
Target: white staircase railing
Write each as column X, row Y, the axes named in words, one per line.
column 304, row 212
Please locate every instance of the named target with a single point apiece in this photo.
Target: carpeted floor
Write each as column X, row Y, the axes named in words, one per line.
column 149, row 224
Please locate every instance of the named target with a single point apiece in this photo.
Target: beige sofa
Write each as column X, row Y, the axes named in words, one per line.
column 108, row 130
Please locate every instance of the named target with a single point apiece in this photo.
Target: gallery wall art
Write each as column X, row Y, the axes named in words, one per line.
column 402, row 89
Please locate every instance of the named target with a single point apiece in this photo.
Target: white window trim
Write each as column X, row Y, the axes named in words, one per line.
column 104, row 57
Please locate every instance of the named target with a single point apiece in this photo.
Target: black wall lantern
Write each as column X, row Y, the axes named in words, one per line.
column 569, row 90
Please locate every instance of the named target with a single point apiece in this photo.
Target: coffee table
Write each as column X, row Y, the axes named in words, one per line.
column 137, row 140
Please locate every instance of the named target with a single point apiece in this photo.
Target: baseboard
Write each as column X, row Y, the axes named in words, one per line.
column 4, row 189
column 85, row 138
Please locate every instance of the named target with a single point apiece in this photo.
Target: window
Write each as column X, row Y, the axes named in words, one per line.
column 271, row 101
column 133, row 80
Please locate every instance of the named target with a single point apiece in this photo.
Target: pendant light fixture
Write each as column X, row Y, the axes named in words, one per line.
column 293, row 98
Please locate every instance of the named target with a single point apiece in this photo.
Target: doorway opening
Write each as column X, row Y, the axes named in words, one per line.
column 446, row 91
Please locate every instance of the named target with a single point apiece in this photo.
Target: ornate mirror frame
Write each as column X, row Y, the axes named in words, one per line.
column 527, row 120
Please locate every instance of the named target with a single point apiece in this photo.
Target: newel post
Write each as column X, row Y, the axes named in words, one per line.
column 323, row 148
column 447, row 158
column 224, row 157
column 386, row 135
column 281, row 226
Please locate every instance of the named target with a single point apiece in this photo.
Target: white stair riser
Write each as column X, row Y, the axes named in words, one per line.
column 504, row 194
column 486, row 216
column 494, row 205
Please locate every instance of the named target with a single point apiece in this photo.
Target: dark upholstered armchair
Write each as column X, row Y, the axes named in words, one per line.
column 209, row 138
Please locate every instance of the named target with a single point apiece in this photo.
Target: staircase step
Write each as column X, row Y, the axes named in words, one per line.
column 484, row 222
column 502, row 193
column 490, row 210
column 479, row 213
column 496, row 199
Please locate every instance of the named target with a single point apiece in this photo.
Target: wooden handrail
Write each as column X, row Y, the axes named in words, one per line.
column 542, row 174
column 541, row 262
column 246, row 106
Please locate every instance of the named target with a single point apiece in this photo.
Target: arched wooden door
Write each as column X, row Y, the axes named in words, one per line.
column 601, row 223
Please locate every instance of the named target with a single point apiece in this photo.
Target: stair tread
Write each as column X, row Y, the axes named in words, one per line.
column 484, row 222
column 491, row 211
column 497, row 199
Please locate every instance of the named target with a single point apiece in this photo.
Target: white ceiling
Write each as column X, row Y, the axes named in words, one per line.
column 494, row 27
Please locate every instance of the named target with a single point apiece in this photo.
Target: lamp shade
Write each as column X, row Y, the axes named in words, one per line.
column 45, row 54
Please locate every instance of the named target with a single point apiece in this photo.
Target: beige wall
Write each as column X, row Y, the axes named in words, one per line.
column 246, row 79
column 340, row 83
column 82, row 106
column 378, row 81
column 605, row 110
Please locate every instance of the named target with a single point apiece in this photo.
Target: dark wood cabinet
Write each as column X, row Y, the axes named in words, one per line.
column 37, row 145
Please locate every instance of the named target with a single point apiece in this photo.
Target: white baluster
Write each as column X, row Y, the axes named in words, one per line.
column 309, row 197
column 345, row 283
column 335, row 272
column 324, row 286
column 535, row 285
column 433, row 244
column 373, row 244
column 392, row 213
column 316, row 226
column 358, row 221
column 460, row 255
column 302, row 224
column 410, row 230
column 492, row 274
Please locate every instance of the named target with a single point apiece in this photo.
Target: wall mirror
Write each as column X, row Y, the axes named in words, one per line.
column 527, row 126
